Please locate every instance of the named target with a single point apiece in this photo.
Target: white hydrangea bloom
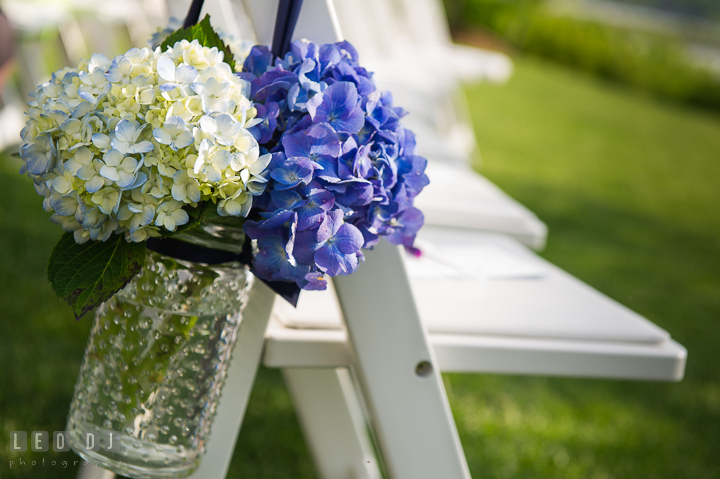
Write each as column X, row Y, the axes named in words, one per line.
column 124, row 146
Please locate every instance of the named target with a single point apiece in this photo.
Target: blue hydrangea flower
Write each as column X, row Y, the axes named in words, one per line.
column 312, row 212
column 275, row 263
column 343, row 172
column 315, row 282
column 338, row 105
column 339, row 242
column 264, row 130
column 294, row 170
column 319, row 143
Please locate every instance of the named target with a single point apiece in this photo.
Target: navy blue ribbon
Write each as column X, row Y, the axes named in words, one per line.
column 200, row 254
column 287, row 16
column 285, row 21
column 193, row 14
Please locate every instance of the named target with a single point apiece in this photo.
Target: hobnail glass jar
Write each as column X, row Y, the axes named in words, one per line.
column 156, row 361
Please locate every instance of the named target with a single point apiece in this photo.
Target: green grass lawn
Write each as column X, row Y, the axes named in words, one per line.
column 628, row 187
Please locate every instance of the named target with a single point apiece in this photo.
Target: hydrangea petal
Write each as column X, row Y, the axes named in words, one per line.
column 334, row 262
column 142, row 147
column 186, row 74
column 162, row 136
column 109, row 172
column 349, row 239
column 166, row 68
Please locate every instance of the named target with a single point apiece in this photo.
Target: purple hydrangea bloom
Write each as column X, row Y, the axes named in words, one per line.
column 274, row 263
column 278, row 223
column 338, row 106
column 268, row 113
column 315, row 282
column 294, row 170
column 312, row 212
column 339, row 242
column 344, row 170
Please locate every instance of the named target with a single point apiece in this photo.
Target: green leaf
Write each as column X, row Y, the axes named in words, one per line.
column 210, row 212
column 202, row 32
column 86, row 275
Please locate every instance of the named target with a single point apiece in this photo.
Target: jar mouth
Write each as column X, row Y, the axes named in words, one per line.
column 225, row 234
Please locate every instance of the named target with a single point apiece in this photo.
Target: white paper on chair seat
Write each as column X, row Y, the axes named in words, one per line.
column 550, row 304
column 476, row 261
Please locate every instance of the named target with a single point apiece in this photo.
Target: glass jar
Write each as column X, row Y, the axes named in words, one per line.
column 156, row 361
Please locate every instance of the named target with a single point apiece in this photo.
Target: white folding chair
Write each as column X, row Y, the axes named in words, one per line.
column 457, row 197
column 490, row 306
column 12, row 119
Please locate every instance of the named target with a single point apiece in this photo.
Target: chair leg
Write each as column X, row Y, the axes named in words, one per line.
column 332, row 422
column 90, row 471
column 238, row 384
column 397, row 370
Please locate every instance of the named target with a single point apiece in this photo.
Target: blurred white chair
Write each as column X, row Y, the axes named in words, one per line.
column 81, row 27
column 12, row 120
column 407, row 44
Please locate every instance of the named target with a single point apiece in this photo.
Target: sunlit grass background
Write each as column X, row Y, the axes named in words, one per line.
column 629, row 189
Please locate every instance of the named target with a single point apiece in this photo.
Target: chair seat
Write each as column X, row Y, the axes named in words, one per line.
column 458, row 197
column 449, row 63
column 491, row 305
